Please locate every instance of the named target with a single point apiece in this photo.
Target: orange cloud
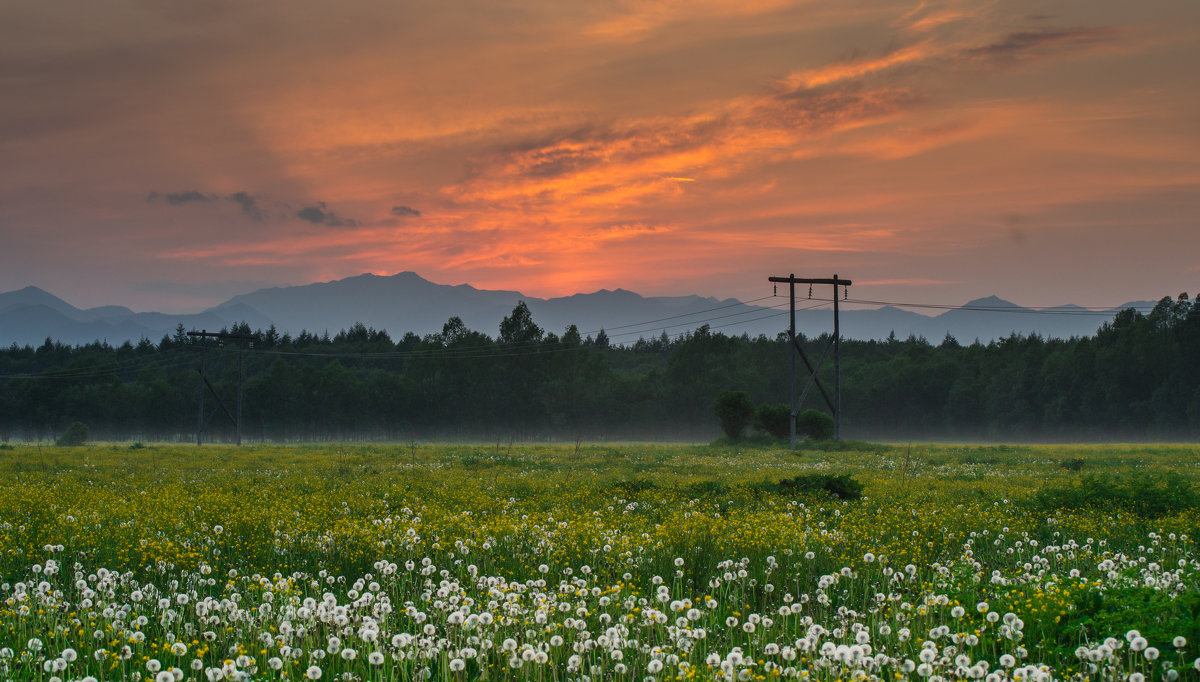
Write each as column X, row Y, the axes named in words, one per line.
column 663, row 137
column 834, row 73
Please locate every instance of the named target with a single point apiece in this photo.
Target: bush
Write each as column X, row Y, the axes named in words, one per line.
column 773, row 419
column 815, row 424
column 1156, row 613
column 844, row 486
column 1145, row 494
column 76, row 434
column 734, row 411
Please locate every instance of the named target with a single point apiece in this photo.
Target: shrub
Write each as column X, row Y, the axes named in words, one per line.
column 773, row 419
column 815, row 424
column 706, row 489
column 1157, row 614
column 1145, row 494
column 76, row 434
column 734, row 411
column 844, row 486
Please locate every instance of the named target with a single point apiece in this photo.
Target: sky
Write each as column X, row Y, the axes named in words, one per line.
column 167, row 155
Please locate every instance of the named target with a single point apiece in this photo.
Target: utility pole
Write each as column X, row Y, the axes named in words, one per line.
column 204, row 382
column 792, row 339
column 200, row 415
column 835, row 404
column 241, row 375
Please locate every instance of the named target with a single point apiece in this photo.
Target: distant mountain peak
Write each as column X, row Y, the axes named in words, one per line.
column 32, row 295
column 407, row 302
column 992, row 301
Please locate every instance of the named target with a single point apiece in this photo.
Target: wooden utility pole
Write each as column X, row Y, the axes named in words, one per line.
column 835, row 404
column 204, row 382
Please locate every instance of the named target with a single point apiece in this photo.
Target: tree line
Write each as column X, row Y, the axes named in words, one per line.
column 1137, row 378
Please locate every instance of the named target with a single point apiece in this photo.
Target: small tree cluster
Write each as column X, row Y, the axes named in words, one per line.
column 735, row 412
column 76, row 434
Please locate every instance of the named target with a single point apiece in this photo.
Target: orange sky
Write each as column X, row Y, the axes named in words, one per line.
column 167, row 155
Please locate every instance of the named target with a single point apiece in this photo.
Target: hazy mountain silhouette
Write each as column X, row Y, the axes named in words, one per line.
column 407, row 302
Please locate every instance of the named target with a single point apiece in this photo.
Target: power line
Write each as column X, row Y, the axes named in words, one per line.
column 531, row 348
column 1045, row 310
column 107, row 370
column 673, row 317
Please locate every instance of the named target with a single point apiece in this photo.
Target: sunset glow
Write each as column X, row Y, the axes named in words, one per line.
column 168, row 156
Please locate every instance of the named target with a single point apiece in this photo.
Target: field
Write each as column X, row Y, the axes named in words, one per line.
column 512, row 561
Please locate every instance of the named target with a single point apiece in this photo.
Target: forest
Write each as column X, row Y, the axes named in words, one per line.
column 1137, row 378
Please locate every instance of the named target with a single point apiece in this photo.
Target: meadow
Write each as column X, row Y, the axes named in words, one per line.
column 599, row 562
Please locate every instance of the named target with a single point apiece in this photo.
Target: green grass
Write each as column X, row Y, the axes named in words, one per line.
column 1077, row 543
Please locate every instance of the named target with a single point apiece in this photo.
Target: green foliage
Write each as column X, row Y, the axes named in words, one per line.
column 76, row 434
column 1147, row 494
column 1072, row 464
column 815, row 424
column 705, row 489
column 1157, row 614
column 1137, row 379
column 632, row 487
column 519, row 328
column 734, row 411
column 752, row 441
column 844, row 446
column 773, row 418
column 842, row 486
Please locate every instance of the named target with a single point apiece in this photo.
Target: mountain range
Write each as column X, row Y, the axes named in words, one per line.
column 406, row 302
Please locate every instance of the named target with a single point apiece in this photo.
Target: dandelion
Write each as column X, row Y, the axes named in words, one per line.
column 313, row 673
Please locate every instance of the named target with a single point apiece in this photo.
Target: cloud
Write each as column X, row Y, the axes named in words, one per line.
column 405, row 212
column 318, row 214
column 1022, row 43
column 258, row 208
column 856, row 68
column 176, row 198
column 248, row 203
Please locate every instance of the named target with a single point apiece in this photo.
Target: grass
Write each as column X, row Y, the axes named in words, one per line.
column 1069, row 547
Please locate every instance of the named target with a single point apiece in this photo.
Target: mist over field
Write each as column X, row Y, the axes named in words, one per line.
column 1137, row 379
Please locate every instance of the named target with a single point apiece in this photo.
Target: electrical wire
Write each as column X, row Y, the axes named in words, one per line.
column 535, row 347
column 1047, row 310
column 1011, row 308
column 105, row 370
